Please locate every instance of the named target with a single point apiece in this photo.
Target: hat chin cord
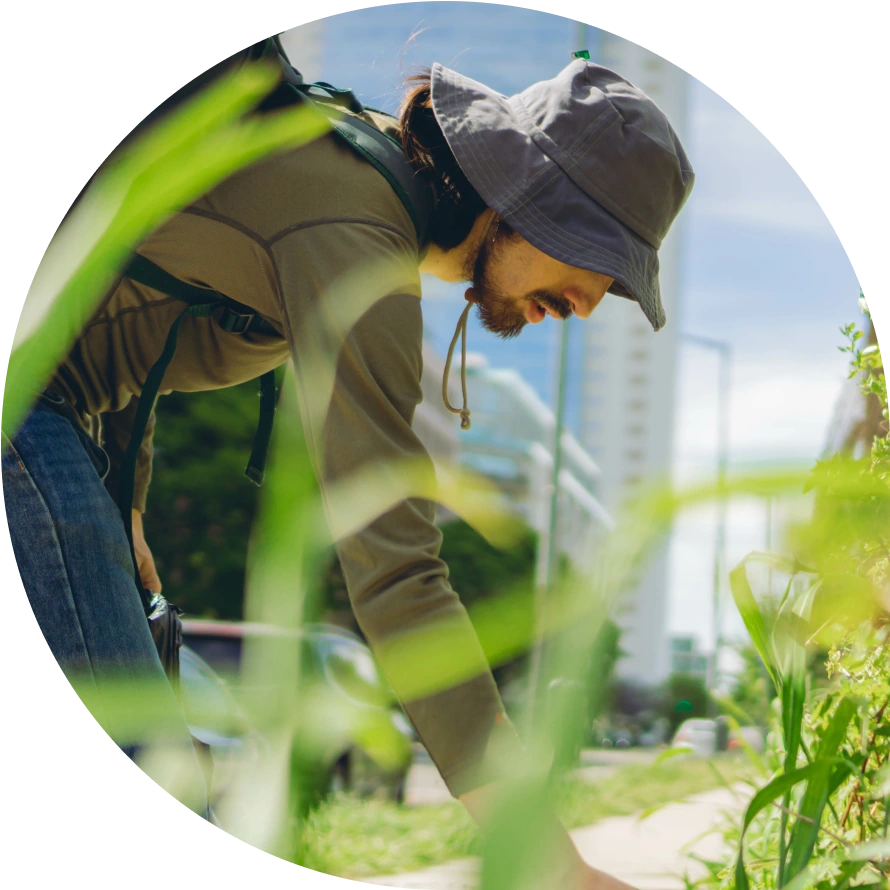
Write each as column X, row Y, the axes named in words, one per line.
column 461, row 331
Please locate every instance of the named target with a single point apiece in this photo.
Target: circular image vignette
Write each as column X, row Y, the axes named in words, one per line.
column 191, row 701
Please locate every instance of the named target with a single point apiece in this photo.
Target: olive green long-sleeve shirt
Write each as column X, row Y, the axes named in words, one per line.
column 318, row 243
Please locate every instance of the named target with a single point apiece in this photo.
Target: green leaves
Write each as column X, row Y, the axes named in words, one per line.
column 754, row 620
column 166, row 169
column 806, row 826
column 778, row 787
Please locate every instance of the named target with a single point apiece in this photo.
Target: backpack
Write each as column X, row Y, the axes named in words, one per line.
column 378, row 149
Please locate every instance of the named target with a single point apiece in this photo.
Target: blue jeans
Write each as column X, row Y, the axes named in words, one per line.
column 74, row 559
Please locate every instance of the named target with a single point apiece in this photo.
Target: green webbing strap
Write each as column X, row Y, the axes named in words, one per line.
column 236, row 319
column 384, row 153
column 152, row 275
column 150, row 389
column 256, row 465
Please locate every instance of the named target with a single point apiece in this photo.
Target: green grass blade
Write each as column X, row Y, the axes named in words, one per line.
column 172, row 165
column 778, row 787
column 806, row 829
column 877, row 849
column 753, row 617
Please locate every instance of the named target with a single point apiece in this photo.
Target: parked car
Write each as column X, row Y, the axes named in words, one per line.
column 752, row 735
column 212, row 682
column 700, row 736
column 615, row 737
column 697, row 734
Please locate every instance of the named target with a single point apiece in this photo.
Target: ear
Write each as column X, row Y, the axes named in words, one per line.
column 470, row 295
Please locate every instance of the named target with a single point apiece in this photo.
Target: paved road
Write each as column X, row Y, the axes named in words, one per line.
column 650, row 855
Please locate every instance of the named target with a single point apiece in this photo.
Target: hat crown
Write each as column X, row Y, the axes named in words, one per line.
column 614, row 142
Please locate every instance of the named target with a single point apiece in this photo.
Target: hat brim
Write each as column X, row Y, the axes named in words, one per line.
column 489, row 136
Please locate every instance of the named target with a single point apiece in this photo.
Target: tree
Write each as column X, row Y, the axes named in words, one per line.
column 753, row 690
column 685, row 696
column 201, row 505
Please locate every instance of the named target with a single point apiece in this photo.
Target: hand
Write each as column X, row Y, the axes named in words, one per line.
column 147, row 571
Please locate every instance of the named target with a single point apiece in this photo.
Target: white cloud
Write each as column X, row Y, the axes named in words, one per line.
column 780, row 409
column 691, row 563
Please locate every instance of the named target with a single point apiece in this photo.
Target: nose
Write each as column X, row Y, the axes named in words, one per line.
column 584, row 302
column 580, row 302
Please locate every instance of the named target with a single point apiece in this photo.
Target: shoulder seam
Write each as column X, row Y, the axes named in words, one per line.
column 329, row 220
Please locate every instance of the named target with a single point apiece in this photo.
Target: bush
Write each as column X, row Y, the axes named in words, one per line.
column 821, row 819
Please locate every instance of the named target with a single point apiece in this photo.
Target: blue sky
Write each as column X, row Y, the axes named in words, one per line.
column 761, row 266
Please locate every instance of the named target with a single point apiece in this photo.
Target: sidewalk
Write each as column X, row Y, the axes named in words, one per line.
column 649, row 855
column 425, row 787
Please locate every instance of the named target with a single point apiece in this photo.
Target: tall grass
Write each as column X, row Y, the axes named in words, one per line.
column 301, row 723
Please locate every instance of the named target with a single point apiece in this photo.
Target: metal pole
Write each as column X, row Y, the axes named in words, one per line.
column 724, row 353
column 551, row 553
column 720, row 544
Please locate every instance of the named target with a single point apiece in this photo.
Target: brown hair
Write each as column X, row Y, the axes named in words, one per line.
column 426, row 148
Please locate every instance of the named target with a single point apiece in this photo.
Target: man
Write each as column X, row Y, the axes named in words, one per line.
column 544, row 201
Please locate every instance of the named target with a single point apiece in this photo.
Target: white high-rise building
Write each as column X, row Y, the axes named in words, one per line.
column 627, row 403
column 304, row 46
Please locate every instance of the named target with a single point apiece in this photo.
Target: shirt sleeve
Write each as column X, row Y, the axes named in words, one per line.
column 396, row 581
column 116, row 429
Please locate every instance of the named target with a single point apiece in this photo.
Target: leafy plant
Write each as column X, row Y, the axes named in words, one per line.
column 821, row 819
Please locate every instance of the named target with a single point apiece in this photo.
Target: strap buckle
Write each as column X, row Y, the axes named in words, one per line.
column 236, row 322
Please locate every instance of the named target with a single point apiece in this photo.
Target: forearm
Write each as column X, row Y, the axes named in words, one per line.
column 481, row 804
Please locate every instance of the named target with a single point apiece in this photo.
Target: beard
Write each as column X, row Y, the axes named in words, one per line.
column 499, row 313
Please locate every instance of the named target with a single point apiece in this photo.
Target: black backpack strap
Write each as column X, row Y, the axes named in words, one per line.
column 150, row 390
column 383, row 152
column 268, row 399
column 389, row 159
column 235, row 318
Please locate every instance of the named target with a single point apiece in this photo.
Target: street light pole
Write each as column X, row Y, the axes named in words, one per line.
column 724, row 353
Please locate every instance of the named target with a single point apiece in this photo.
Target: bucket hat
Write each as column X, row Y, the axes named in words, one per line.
column 584, row 166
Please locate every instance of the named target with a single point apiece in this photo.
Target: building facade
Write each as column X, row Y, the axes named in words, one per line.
column 511, row 443
column 687, row 659
column 628, row 382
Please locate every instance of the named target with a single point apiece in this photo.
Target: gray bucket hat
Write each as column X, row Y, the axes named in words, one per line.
column 585, row 167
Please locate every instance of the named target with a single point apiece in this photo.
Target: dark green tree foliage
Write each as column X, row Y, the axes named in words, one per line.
column 685, row 696
column 753, row 689
column 201, row 505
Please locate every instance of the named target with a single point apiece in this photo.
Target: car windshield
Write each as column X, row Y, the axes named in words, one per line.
column 207, row 702
column 224, row 653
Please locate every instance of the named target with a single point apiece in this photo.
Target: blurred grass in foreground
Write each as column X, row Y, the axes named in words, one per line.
column 841, row 565
column 354, row 839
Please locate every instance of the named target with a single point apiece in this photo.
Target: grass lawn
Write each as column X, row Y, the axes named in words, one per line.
column 353, row 838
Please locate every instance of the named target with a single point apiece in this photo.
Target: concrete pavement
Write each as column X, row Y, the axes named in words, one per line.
column 652, row 854
column 426, row 788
